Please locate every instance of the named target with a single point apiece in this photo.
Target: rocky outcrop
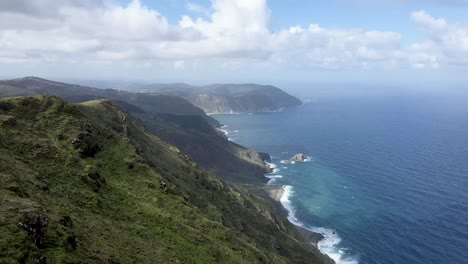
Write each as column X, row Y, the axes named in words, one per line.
column 299, row 158
column 296, row 158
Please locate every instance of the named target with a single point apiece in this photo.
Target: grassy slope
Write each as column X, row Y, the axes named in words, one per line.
column 121, row 195
column 209, row 149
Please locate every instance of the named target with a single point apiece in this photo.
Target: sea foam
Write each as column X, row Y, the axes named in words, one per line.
column 224, row 130
column 329, row 245
column 273, row 178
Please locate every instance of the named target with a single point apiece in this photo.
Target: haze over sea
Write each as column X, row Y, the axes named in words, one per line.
column 388, row 180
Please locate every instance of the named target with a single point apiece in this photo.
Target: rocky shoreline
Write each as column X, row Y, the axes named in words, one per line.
column 276, row 192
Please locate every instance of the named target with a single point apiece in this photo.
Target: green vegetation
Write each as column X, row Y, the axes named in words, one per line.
column 88, row 184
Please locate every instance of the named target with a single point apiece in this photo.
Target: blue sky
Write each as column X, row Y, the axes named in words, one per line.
column 236, row 40
column 370, row 15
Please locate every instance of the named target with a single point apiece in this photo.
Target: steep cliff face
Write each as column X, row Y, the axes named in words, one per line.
column 89, row 184
column 208, row 147
column 230, row 98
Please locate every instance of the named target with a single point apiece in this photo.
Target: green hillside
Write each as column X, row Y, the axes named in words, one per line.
column 88, row 184
column 170, row 117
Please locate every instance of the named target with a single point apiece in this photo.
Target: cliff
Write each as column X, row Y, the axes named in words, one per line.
column 88, row 183
column 229, row 98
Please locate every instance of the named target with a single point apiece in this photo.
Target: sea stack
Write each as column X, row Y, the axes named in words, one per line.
column 299, row 157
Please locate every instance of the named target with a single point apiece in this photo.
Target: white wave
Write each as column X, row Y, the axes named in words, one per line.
column 271, row 165
column 273, row 179
column 330, row 244
column 287, row 204
column 284, row 168
column 274, row 176
column 274, row 168
column 224, row 131
column 280, row 110
column 236, row 131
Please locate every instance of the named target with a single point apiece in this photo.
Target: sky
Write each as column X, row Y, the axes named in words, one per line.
column 236, row 40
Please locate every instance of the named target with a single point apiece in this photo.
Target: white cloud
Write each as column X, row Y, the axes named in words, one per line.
column 230, row 32
column 447, row 43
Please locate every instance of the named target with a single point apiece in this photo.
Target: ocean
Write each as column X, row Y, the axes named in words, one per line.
column 388, row 177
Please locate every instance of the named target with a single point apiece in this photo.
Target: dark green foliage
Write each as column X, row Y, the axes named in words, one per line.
column 59, row 206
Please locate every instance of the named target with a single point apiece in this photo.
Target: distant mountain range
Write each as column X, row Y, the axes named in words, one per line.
column 214, row 98
column 229, row 98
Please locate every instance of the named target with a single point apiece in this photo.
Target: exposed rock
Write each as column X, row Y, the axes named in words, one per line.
column 86, row 144
column 97, row 180
column 163, row 185
column 36, row 226
column 310, row 236
column 265, row 156
column 299, row 157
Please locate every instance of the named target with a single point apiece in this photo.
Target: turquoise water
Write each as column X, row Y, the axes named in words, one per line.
column 388, row 179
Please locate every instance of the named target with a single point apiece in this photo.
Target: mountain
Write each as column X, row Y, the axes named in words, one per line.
column 151, row 103
column 170, row 117
column 229, row 98
column 88, row 183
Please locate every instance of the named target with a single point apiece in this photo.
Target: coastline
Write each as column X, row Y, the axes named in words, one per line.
column 276, row 193
column 254, row 112
column 279, row 194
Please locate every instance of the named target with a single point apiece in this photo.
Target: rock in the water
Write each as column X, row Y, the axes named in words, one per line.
column 299, row 157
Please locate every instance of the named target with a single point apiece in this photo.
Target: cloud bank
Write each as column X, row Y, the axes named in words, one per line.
column 229, row 32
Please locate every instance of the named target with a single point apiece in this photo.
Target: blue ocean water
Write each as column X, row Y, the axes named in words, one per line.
column 388, row 179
